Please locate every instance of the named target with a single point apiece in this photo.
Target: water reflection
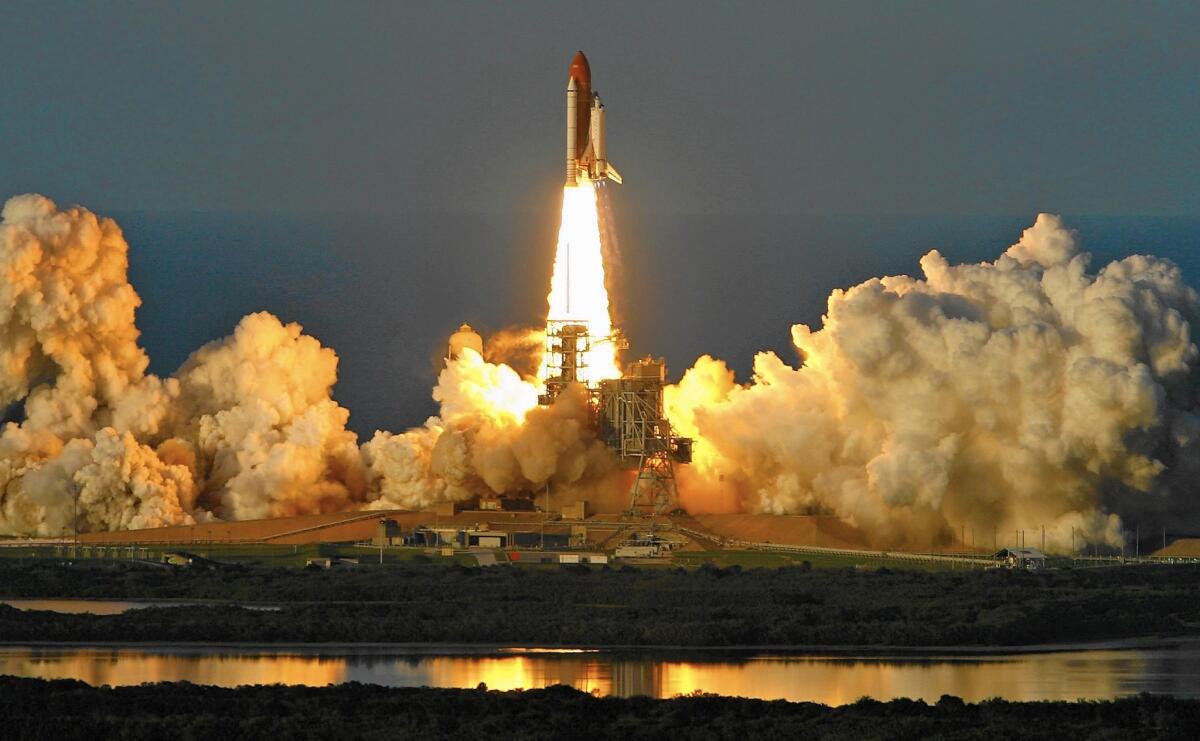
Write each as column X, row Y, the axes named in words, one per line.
column 134, row 666
column 111, row 607
column 81, row 606
column 1096, row 674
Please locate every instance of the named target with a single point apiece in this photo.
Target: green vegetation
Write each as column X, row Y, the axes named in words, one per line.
column 270, row 554
column 707, row 606
column 777, row 559
column 69, row 710
column 260, row 554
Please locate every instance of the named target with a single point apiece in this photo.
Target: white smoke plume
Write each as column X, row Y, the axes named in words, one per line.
column 492, row 437
column 1016, row 394
column 246, row 428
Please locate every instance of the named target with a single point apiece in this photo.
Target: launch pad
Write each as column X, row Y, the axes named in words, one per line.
column 626, row 413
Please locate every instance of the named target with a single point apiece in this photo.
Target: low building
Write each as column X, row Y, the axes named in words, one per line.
column 388, row 532
column 427, row 537
column 1031, row 559
column 485, row 539
column 538, row 539
column 580, row 558
column 637, row 551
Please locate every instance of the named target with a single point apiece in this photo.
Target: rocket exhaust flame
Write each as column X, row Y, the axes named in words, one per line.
column 577, row 289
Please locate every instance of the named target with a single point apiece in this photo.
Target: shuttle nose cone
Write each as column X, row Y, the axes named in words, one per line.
column 580, row 70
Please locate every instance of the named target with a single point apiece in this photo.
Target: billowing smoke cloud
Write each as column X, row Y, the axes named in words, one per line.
column 492, row 437
column 1014, row 394
column 1021, row 393
column 68, row 351
column 246, row 428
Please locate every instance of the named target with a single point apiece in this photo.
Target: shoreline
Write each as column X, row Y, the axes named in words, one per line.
column 503, row 649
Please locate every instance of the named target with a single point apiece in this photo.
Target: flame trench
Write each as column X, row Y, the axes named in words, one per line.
column 577, row 290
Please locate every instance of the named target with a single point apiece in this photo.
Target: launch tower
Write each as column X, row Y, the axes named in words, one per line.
column 567, row 345
column 632, row 424
column 627, row 413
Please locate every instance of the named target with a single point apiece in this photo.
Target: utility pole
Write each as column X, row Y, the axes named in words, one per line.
column 1043, row 538
column 1137, row 542
column 75, row 524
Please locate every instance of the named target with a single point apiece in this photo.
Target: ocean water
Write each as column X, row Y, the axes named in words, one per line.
column 385, row 291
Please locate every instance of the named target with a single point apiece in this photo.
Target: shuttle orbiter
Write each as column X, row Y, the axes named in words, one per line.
column 586, row 155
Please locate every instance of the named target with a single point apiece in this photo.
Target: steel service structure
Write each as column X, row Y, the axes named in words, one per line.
column 627, row 413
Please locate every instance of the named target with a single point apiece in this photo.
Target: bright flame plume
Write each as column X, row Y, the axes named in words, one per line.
column 577, row 292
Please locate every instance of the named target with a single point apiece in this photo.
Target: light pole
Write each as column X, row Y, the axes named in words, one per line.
column 75, row 521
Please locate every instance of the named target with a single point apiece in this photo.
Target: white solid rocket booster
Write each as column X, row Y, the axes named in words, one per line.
column 572, row 109
column 597, row 132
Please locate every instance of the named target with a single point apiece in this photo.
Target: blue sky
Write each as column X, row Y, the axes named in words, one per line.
column 813, row 108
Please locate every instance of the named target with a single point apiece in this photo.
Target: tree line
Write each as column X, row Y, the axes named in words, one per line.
column 68, row 710
column 611, row 606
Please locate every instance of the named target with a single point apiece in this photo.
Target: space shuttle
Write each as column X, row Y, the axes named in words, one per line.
column 586, row 155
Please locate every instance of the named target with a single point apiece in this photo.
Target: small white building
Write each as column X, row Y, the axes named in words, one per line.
column 485, row 539
column 582, row 558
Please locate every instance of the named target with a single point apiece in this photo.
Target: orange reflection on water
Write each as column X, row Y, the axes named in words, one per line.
column 838, row 681
column 520, row 672
column 1092, row 674
column 131, row 667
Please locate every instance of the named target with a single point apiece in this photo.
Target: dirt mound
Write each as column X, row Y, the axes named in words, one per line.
column 816, row 530
column 1181, row 548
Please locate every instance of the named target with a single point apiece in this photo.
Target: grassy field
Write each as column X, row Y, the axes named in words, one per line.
column 268, row 554
column 773, row 559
